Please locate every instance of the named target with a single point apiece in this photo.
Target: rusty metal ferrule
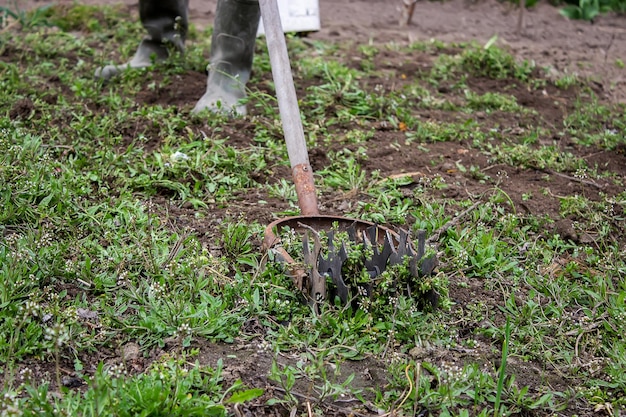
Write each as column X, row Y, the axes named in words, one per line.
column 305, row 189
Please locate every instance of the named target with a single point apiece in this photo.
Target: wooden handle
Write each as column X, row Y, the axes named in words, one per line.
column 288, row 106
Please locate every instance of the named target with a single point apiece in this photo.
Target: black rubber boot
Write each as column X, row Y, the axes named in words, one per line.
column 166, row 23
column 232, row 51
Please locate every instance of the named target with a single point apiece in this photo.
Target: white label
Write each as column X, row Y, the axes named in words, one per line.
column 298, row 16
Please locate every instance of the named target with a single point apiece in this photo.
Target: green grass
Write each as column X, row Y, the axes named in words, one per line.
column 125, row 223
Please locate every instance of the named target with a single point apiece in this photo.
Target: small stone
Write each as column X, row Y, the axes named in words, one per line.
column 87, row 314
column 448, row 166
column 71, row 382
column 130, row 351
column 565, row 229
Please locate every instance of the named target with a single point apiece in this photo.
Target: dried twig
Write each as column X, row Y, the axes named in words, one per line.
column 581, row 332
column 394, row 177
column 178, row 246
column 308, row 398
column 587, row 329
column 490, row 167
column 580, row 180
column 435, row 236
column 237, row 410
column 408, row 392
column 85, row 283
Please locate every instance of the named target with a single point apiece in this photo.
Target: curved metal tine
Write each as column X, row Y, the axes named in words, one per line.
column 378, row 261
column 421, row 243
column 310, row 262
column 342, row 288
column 332, row 265
column 396, row 257
column 405, row 249
column 316, row 290
column 367, row 245
column 352, row 232
column 427, row 265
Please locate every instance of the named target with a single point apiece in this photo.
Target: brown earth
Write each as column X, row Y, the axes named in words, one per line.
column 548, row 38
column 590, row 50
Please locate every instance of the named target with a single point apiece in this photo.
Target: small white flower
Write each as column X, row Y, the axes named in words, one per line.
column 183, row 331
column 57, row 334
column 156, row 289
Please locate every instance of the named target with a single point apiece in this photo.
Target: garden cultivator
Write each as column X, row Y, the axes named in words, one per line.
column 324, row 260
column 380, row 248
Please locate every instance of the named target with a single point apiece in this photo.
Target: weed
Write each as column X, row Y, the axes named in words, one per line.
column 26, row 19
column 494, row 63
column 548, row 157
column 585, row 10
column 346, row 173
column 169, row 385
column 566, row 81
column 236, row 241
column 491, row 101
column 286, row 379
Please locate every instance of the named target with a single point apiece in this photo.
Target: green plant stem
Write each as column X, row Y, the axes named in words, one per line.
column 57, row 368
column 502, row 369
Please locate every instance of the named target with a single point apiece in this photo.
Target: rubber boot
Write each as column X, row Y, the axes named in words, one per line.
column 232, row 51
column 166, row 23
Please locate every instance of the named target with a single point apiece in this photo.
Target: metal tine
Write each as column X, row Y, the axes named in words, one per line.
column 427, row 264
column 308, row 256
column 415, row 258
column 332, row 265
column 352, row 232
column 372, row 231
column 377, row 263
column 366, row 245
column 317, row 286
column 421, row 243
column 405, row 249
column 370, row 244
column 342, row 289
column 395, row 257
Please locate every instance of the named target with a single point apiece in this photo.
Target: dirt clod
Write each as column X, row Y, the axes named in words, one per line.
column 22, row 109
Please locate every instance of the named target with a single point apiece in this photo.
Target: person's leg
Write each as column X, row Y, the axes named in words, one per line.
column 166, row 23
column 232, row 51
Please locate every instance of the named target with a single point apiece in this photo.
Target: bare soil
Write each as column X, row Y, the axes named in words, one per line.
column 549, row 39
column 590, row 50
